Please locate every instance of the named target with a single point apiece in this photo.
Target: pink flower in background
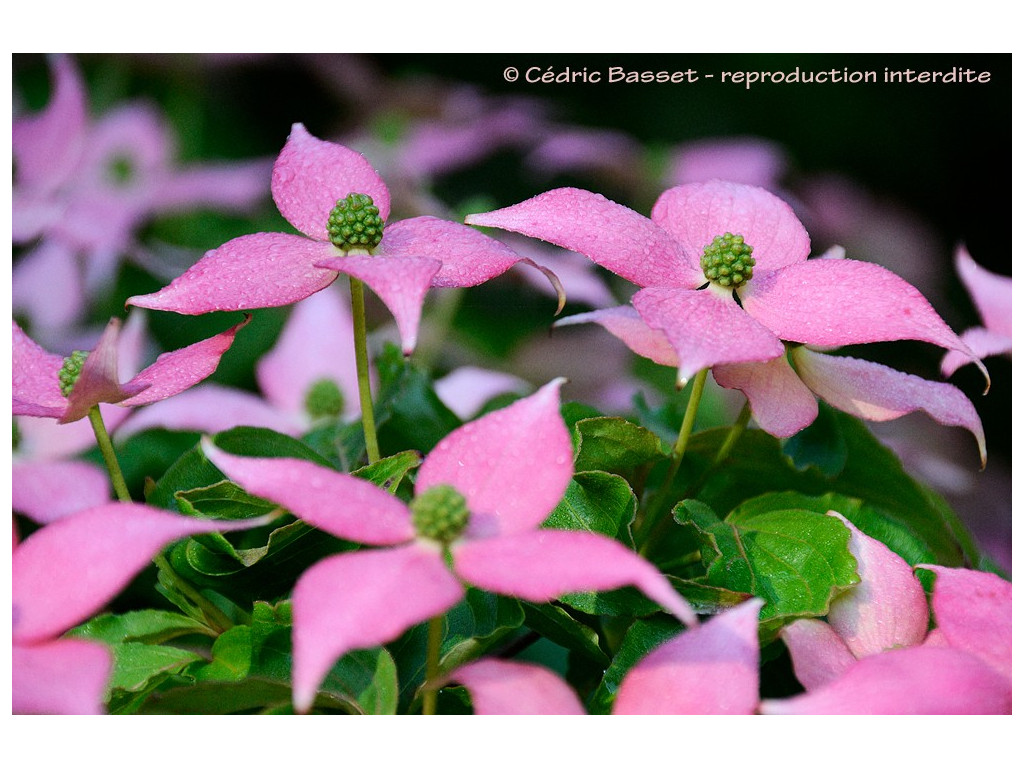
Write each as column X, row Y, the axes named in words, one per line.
column 500, row 687
column 83, row 187
column 992, row 296
column 99, row 551
column 875, row 654
column 312, row 181
column 37, row 388
column 479, row 495
column 742, row 159
column 724, row 273
column 309, row 374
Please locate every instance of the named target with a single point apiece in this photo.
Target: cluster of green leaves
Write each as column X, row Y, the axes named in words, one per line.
column 750, row 523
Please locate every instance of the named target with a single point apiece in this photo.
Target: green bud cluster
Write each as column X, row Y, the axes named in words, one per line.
column 71, row 370
column 324, row 399
column 355, row 222
column 439, row 513
column 727, row 261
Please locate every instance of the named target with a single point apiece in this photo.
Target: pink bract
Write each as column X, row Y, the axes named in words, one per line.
column 511, row 466
column 992, row 296
column 500, row 687
column 274, row 269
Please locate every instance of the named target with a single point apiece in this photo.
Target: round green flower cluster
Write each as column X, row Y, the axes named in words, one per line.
column 727, row 261
column 439, row 513
column 71, row 370
column 355, row 222
column 324, row 399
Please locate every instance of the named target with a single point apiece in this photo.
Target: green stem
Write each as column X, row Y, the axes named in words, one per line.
column 435, row 633
column 109, row 457
column 655, row 509
column 363, row 369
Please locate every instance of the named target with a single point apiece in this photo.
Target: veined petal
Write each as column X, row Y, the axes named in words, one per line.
column 311, row 175
column 359, row 600
column 779, row 401
column 34, row 380
column 711, row 669
column 819, row 655
column 626, row 325
column 542, row 565
column 908, row 681
column 973, row 611
column 833, row 302
column 983, row 342
column 887, row 609
column 315, row 343
column 616, row 237
column 268, row 269
column 878, row 393
column 98, row 382
column 695, row 213
column 176, row 371
column 49, row 490
column 992, row 294
column 61, row 677
column 705, row 328
column 340, row 504
column 401, row 282
column 511, row 465
column 500, row 687
column 210, row 408
column 99, row 551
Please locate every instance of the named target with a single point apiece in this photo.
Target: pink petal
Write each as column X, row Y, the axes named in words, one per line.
column 694, row 214
column 268, row 269
column 705, row 328
column 625, row 324
column 512, row 465
column 401, row 282
column 992, row 294
column 99, row 551
column 543, row 565
column 210, row 408
column 47, row 145
column 35, row 384
column 46, row 286
column 878, row 393
column 616, row 237
column 908, row 681
column 98, row 382
column 61, row 677
column 467, row 389
column 176, row 371
column 743, row 159
column 819, row 655
column 311, row 175
column 982, row 343
column 779, row 401
column 340, row 504
column 315, row 343
column 48, row 491
column 711, row 669
column 833, row 302
column 359, row 600
column 974, row 613
column 232, row 186
column 887, row 609
column 499, row 687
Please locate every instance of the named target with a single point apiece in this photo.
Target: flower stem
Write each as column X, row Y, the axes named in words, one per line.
column 363, row 369
column 654, row 510
column 435, row 633
column 109, row 457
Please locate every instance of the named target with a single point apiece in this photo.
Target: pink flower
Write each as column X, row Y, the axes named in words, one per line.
column 992, row 296
column 312, row 181
column 875, row 654
column 98, row 551
column 479, row 496
column 500, row 687
column 733, row 299
column 743, row 159
column 82, row 188
column 38, row 390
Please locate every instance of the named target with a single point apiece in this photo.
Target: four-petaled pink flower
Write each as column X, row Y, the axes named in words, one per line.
column 317, row 184
column 37, row 387
column 876, row 655
column 479, row 496
column 724, row 272
column 992, row 296
column 63, row 574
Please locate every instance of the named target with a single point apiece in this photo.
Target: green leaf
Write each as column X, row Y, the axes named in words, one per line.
column 820, row 445
column 408, row 412
column 598, row 502
column 147, row 626
column 389, row 471
column 615, row 445
column 137, row 664
column 642, row 637
column 232, row 656
column 555, row 623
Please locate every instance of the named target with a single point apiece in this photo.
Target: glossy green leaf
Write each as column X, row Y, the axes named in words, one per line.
column 147, row 626
column 598, row 502
column 137, row 664
column 615, row 445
